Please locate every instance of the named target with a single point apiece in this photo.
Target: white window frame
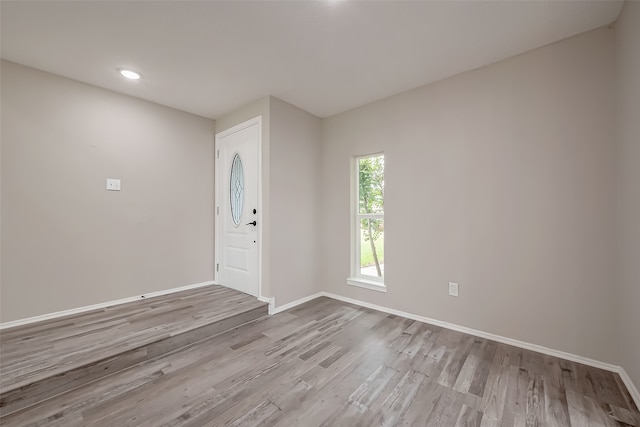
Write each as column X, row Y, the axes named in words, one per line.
column 356, row 278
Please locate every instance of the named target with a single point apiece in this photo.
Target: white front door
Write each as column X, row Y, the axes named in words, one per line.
column 237, row 207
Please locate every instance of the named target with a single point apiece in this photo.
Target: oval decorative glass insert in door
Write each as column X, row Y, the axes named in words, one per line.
column 236, row 189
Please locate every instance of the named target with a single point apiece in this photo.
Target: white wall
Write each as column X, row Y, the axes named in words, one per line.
column 627, row 31
column 502, row 179
column 295, row 231
column 66, row 241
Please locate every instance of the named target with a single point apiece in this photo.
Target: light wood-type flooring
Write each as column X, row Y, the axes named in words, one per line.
column 43, row 359
column 328, row 363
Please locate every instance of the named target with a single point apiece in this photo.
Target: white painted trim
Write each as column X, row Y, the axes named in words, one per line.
column 367, row 284
column 633, row 390
column 354, row 243
column 218, row 192
column 240, row 126
column 271, row 301
column 482, row 334
column 292, row 304
column 57, row 314
column 355, row 217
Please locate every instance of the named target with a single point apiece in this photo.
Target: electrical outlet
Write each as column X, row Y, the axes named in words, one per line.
column 453, row 289
column 113, row 184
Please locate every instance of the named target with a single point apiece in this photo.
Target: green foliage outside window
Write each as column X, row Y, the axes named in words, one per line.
column 371, row 201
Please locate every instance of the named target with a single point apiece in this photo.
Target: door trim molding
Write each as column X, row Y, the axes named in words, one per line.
column 218, row 192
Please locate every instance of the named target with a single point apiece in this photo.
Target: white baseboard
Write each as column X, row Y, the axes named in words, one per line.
column 296, row 302
column 49, row 316
column 633, row 390
column 271, row 301
column 482, row 334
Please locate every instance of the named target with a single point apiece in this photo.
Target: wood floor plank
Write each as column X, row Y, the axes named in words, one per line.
column 425, row 400
column 38, row 363
column 469, row 417
column 327, row 363
column 470, row 365
column 369, row 391
column 447, row 410
column 535, row 414
column 396, row 404
column 495, row 391
column 556, row 411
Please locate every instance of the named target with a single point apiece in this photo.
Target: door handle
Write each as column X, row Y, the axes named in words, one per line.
column 254, row 223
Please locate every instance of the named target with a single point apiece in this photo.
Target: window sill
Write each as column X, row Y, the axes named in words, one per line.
column 367, row 284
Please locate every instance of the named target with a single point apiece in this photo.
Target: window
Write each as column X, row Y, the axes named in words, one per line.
column 368, row 223
column 236, row 189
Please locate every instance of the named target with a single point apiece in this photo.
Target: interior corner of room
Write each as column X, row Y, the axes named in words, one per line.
column 518, row 180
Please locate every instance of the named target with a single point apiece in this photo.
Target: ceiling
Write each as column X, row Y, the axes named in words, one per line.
column 211, row 57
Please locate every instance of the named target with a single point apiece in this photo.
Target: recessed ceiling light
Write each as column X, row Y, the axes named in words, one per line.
column 130, row 74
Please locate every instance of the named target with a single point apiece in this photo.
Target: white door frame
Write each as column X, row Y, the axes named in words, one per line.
column 220, row 191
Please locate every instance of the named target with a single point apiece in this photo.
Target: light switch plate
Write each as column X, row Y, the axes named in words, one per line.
column 453, row 289
column 113, row 184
